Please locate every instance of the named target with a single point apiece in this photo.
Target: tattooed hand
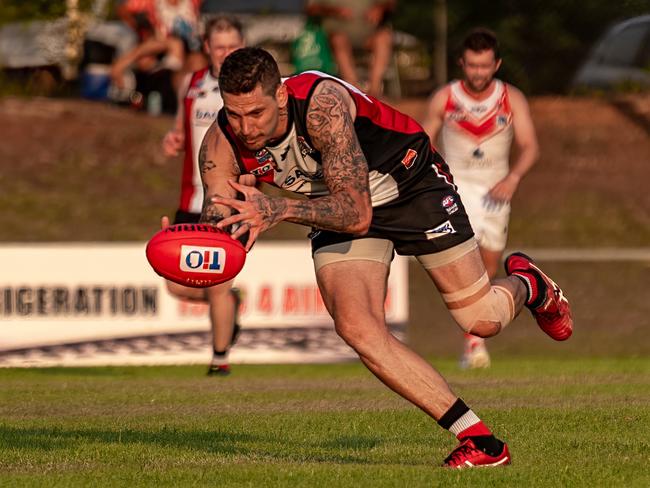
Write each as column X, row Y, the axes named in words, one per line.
column 257, row 213
column 211, row 213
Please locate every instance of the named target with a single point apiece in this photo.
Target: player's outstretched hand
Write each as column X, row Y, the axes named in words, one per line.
column 256, row 213
column 164, row 222
column 503, row 191
column 173, row 142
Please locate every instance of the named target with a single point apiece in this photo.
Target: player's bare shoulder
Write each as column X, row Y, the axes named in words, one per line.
column 517, row 98
column 440, row 96
column 331, row 108
column 432, row 122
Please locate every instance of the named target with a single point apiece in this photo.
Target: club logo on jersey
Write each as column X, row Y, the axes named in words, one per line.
column 297, row 174
column 194, row 92
column 305, row 149
column 502, row 120
column 197, row 259
column 449, row 204
column 262, row 169
column 441, row 230
column 263, row 156
column 202, row 116
column 457, row 115
column 409, row 158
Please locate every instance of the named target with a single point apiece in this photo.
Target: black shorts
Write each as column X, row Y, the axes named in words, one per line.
column 183, row 217
column 428, row 218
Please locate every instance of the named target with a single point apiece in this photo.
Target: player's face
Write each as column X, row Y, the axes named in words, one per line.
column 479, row 69
column 255, row 116
column 221, row 44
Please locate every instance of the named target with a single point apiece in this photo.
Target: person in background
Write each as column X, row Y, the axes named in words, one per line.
column 169, row 38
column 359, row 24
column 311, row 49
column 475, row 120
column 199, row 101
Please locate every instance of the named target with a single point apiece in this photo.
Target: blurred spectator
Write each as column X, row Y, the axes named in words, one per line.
column 311, row 49
column 169, row 38
column 362, row 24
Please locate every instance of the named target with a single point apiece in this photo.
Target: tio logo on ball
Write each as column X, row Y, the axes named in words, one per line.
column 198, row 259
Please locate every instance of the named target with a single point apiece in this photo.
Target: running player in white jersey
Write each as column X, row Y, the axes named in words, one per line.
column 475, row 119
column 199, row 101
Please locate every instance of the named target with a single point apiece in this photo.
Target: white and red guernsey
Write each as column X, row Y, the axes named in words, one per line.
column 396, row 147
column 201, row 105
column 477, row 134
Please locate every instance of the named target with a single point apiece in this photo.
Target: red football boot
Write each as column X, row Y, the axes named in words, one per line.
column 547, row 304
column 467, row 455
column 219, row 370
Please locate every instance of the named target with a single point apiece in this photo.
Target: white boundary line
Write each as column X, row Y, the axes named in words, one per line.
column 587, row 254
column 571, row 254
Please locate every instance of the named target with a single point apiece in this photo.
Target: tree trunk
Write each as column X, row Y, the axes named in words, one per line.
column 440, row 42
column 73, row 40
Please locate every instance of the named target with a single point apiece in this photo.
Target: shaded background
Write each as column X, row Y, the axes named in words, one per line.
column 73, row 170
column 542, row 41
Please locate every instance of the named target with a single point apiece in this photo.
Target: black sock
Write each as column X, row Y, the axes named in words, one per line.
column 218, row 354
column 488, row 444
column 456, row 411
column 535, row 298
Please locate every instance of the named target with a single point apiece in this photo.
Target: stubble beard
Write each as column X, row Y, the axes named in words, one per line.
column 479, row 88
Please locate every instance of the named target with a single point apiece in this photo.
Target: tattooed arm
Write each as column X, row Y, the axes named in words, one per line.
column 330, row 124
column 217, row 165
column 347, row 208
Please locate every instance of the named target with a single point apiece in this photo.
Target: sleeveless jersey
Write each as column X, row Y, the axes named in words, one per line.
column 201, row 104
column 397, row 149
column 476, row 135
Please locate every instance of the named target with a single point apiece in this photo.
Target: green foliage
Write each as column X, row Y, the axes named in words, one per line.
column 25, row 10
column 542, row 41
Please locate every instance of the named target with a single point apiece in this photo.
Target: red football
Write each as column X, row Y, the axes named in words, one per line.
column 196, row 255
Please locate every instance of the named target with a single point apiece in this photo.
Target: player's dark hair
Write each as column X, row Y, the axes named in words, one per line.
column 246, row 68
column 481, row 39
column 222, row 23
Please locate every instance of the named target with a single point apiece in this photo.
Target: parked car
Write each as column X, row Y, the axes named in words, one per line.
column 620, row 59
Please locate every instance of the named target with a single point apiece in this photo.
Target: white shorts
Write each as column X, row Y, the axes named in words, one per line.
column 489, row 220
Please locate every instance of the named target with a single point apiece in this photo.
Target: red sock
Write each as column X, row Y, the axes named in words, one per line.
column 474, row 430
column 461, row 421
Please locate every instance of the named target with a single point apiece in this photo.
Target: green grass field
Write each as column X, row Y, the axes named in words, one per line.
column 569, row 422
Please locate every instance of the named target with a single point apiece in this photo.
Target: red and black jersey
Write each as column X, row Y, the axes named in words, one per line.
column 397, row 149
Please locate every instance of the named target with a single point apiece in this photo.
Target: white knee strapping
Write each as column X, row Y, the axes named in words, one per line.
column 484, row 316
column 456, row 299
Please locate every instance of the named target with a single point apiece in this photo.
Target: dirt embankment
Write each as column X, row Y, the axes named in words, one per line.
column 75, row 170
